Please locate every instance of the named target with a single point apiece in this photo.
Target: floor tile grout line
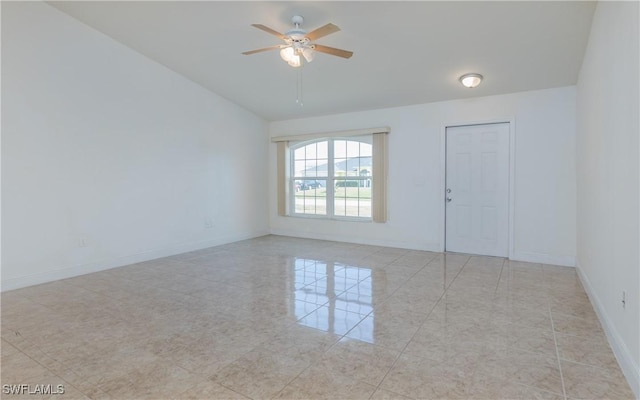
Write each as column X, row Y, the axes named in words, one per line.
column 387, row 373
column 218, row 383
column 401, row 352
column 44, row 357
column 555, row 342
column 600, row 367
column 395, row 361
column 504, row 261
column 373, row 308
column 346, row 333
column 47, row 368
column 359, row 322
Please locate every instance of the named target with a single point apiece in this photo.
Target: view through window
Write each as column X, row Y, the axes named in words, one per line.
column 332, row 177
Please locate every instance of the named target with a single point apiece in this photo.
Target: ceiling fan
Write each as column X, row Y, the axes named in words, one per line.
column 300, row 43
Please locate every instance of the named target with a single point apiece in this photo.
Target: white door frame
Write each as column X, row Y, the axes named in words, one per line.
column 443, row 174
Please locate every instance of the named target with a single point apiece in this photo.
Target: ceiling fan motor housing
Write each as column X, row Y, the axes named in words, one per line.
column 297, row 20
column 296, row 33
column 299, row 42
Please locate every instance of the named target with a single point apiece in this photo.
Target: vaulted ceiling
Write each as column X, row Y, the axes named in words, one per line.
column 404, row 52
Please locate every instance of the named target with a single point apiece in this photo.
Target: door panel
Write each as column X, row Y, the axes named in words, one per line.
column 463, row 217
column 477, row 208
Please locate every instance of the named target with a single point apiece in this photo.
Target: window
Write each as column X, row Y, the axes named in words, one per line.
column 332, row 177
column 339, row 175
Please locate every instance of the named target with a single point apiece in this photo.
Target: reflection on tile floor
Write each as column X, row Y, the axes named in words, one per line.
column 278, row 317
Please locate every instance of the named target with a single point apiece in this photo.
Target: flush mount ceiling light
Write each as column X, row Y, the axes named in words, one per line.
column 471, row 80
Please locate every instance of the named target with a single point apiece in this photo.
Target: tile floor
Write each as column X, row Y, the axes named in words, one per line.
column 278, row 317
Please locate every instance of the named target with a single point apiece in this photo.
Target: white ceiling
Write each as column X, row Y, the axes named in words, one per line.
column 404, row 52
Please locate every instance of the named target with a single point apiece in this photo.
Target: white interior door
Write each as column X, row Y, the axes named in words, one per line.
column 477, row 192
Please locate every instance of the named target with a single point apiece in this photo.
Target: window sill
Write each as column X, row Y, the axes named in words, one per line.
column 325, row 218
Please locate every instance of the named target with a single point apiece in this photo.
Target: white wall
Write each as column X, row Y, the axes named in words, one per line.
column 110, row 158
column 608, row 177
column 544, row 172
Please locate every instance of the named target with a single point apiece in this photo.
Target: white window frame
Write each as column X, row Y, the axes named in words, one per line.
column 330, row 179
column 379, row 172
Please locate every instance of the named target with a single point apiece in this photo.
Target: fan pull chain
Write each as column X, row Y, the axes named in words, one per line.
column 299, row 87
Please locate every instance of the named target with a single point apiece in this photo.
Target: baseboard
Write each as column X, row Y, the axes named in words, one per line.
column 435, row 247
column 565, row 261
column 82, row 269
column 630, row 369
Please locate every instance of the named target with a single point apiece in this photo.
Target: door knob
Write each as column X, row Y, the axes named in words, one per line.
column 448, row 190
column 449, row 199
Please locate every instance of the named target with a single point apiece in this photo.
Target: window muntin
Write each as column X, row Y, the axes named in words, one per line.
column 332, row 177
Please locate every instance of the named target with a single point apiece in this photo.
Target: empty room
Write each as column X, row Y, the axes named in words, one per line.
column 320, row 200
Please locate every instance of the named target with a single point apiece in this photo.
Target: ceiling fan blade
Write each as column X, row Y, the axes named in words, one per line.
column 269, row 30
column 322, row 32
column 333, row 51
column 246, row 53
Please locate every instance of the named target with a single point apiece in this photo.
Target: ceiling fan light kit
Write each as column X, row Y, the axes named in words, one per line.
column 289, row 55
column 298, row 43
column 471, row 80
